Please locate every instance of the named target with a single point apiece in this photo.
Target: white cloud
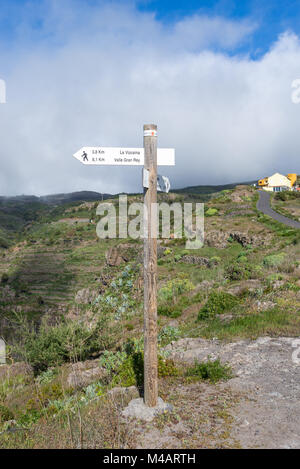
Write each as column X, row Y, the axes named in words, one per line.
column 201, row 31
column 94, row 76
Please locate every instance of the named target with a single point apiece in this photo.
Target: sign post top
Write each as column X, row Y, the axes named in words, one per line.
column 150, row 130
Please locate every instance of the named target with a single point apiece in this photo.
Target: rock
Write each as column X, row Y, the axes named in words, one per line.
column 205, row 284
column 85, row 296
column 122, row 253
column 173, row 323
column 195, row 260
column 84, row 373
column 247, row 285
column 16, row 369
column 244, row 238
column 278, row 284
column 113, row 257
column 217, row 239
column 7, row 293
column 137, row 409
column 160, row 251
column 226, row 318
column 131, row 392
column 264, row 305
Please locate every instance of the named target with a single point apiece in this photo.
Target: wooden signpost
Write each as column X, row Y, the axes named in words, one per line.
column 150, row 269
column 150, row 156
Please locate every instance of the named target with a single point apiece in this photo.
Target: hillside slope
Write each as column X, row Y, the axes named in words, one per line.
column 71, row 307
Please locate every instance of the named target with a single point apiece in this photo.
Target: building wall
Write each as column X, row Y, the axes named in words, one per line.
column 278, row 180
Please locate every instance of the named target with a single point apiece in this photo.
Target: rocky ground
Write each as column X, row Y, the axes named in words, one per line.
column 267, row 380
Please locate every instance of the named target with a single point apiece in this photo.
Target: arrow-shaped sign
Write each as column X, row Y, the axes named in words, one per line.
column 122, row 156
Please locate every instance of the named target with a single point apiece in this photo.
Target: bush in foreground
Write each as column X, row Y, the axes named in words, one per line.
column 217, row 303
column 53, row 345
column 212, row 371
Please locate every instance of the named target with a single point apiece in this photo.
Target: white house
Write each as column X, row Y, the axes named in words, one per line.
column 277, row 183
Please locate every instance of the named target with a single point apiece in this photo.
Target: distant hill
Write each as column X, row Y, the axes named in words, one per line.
column 81, row 196
column 18, row 211
column 210, row 189
column 55, row 199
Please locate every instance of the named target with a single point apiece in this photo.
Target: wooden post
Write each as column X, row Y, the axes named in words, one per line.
column 150, row 269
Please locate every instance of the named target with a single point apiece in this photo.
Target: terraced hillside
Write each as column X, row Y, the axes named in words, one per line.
column 67, row 296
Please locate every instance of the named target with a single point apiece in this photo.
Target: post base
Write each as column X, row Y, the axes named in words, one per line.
column 137, row 409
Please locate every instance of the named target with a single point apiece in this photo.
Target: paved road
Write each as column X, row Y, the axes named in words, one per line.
column 263, row 205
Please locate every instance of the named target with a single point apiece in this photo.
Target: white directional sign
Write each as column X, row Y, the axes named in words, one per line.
column 122, row 156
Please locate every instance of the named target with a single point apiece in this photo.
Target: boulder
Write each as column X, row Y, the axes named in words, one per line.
column 264, row 305
column 16, row 369
column 130, row 392
column 114, row 257
column 216, row 239
column 82, row 374
column 7, row 293
column 195, row 260
column 219, row 239
column 85, row 296
column 245, row 238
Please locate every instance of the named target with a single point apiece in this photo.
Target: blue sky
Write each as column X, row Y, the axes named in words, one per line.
column 272, row 16
column 214, row 76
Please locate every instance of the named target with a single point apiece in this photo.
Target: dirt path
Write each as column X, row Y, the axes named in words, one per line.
column 263, row 205
column 267, row 374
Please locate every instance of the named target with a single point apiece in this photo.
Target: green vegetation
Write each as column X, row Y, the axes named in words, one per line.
column 211, row 212
column 274, row 260
column 174, row 288
column 211, row 370
column 5, row 414
column 65, row 342
column 217, row 303
column 60, row 302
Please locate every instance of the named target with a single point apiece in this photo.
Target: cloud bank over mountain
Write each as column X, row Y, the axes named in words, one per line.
column 80, row 75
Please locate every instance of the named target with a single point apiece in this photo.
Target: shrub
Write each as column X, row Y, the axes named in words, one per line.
column 274, row 277
column 274, row 260
column 43, row 395
column 211, row 212
column 131, row 372
column 166, row 367
column 112, row 360
column 215, row 260
column 5, row 414
column 243, row 259
column 173, row 288
column 4, row 278
column 51, row 346
column 217, row 303
column 177, row 257
column 169, row 310
column 168, row 334
column 212, row 371
column 3, row 243
column 40, row 300
column 238, row 271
